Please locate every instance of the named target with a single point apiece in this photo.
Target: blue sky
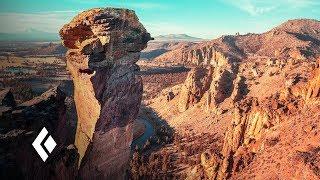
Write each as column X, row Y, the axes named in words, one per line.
column 201, row 18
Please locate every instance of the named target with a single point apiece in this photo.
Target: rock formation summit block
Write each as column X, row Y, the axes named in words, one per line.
column 103, row 47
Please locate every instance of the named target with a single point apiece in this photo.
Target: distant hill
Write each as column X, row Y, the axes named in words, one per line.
column 292, row 39
column 176, row 37
column 157, row 48
column 49, row 49
column 29, row 35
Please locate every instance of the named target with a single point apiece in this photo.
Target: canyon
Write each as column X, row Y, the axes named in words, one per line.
column 256, row 94
column 236, row 107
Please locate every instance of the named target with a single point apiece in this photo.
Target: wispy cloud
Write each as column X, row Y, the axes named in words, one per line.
column 253, row 7
column 125, row 4
column 259, row 7
column 141, row 5
column 50, row 21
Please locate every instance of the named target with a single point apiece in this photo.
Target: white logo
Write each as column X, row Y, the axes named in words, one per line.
column 49, row 144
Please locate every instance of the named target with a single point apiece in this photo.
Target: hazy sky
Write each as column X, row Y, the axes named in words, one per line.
column 200, row 18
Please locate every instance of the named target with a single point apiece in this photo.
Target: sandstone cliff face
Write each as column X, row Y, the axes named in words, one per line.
column 310, row 92
column 204, row 55
column 246, row 135
column 218, row 52
column 210, row 84
column 104, row 45
column 249, row 123
column 252, row 125
column 197, row 83
column 221, row 86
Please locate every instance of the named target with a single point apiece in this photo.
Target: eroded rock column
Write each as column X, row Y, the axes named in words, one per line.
column 104, row 45
column 207, row 83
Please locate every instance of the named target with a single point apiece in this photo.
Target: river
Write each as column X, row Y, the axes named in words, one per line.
column 149, row 131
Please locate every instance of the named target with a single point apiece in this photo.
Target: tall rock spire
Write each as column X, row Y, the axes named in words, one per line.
column 104, row 45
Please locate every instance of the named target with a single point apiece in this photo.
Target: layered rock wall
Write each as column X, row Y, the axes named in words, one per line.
column 197, row 83
column 252, row 124
column 310, row 92
column 206, row 55
column 210, row 84
column 249, row 123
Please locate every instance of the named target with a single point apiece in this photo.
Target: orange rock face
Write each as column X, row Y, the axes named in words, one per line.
column 196, row 84
column 261, row 96
column 310, row 91
column 212, row 84
column 104, row 45
column 254, row 126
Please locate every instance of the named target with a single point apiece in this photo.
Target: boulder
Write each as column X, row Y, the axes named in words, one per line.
column 170, row 96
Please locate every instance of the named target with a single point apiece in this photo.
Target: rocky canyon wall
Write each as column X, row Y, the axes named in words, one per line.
column 253, row 126
column 104, row 45
column 204, row 55
column 209, row 83
column 310, row 92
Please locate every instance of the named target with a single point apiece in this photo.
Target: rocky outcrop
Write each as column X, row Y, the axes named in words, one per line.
column 196, row 84
column 269, row 99
column 19, row 128
column 239, row 89
column 218, row 52
column 252, row 122
column 212, row 80
column 221, row 86
column 209, row 84
column 104, row 45
column 249, row 123
column 210, row 163
column 46, row 110
column 310, row 91
column 207, row 55
column 6, row 98
column 7, row 101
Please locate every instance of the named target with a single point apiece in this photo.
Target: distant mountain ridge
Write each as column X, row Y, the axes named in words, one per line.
column 37, row 35
column 29, row 35
column 177, row 38
column 297, row 38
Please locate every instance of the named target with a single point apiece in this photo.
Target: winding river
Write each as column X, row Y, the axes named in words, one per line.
column 149, row 131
